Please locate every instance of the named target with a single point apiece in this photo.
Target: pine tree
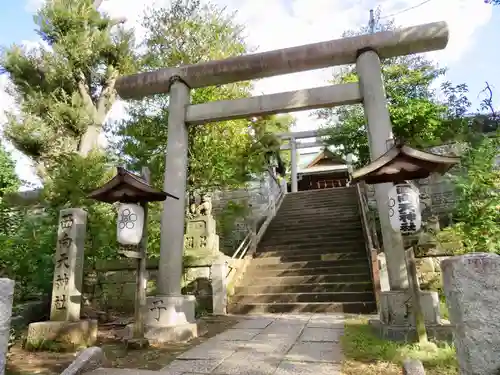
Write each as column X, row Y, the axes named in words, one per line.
column 64, row 88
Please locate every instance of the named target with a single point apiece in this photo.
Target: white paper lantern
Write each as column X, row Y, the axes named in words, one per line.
column 404, row 209
column 130, row 224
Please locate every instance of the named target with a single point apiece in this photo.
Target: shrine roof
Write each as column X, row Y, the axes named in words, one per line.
column 402, row 163
column 127, row 187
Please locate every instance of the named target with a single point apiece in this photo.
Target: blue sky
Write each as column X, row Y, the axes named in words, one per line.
column 471, row 55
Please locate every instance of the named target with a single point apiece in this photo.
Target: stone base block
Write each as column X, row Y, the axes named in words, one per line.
column 169, row 311
column 396, row 308
column 178, row 333
column 61, row 335
column 407, row 333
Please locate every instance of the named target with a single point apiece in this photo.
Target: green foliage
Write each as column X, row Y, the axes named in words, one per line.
column 231, row 213
column 416, row 113
column 477, row 211
column 221, row 155
column 65, row 88
column 9, row 182
column 361, row 346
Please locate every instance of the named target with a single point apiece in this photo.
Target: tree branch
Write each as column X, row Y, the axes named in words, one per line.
column 114, row 21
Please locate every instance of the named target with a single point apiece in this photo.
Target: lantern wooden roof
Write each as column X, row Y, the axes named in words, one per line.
column 402, row 163
column 127, row 187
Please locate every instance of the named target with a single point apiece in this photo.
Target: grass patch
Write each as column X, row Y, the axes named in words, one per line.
column 367, row 354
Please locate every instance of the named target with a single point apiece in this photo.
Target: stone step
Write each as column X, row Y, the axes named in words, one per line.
column 342, row 246
column 274, row 235
column 255, row 272
column 278, row 308
column 260, row 258
column 343, row 199
column 315, row 228
column 303, row 297
column 309, row 264
column 299, row 221
column 324, row 206
column 351, row 190
column 311, row 209
column 340, row 287
column 330, row 253
column 290, row 238
column 306, row 279
column 316, row 217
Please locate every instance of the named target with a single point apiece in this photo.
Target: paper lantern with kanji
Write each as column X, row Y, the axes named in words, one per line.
column 130, row 224
column 404, row 209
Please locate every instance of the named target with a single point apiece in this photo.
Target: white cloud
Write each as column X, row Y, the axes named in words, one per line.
column 274, row 24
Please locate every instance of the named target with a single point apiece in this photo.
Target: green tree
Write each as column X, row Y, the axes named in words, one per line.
column 65, row 87
column 221, row 155
column 9, row 182
column 416, row 113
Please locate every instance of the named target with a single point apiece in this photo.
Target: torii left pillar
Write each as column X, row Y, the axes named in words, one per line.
column 171, row 316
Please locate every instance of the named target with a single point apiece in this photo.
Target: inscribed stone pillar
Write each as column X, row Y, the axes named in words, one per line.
column 172, row 219
column 293, row 156
column 6, row 299
column 68, row 271
column 472, row 287
column 379, row 132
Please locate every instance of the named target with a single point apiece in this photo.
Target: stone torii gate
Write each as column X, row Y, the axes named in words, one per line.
column 365, row 51
column 293, row 147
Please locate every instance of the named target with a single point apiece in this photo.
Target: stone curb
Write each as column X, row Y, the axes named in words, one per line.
column 89, row 359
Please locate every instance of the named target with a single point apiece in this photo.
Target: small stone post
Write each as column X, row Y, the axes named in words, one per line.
column 413, row 367
column 219, row 287
column 472, row 287
column 6, row 299
column 68, row 271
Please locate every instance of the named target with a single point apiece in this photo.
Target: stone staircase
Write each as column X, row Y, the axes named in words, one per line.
column 312, row 258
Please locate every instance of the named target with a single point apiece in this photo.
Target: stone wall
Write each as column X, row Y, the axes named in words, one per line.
column 111, row 285
column 256, row 197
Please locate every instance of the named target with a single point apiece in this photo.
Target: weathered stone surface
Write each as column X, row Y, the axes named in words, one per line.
column 66, row 335
column 174, row 333
column 198, row 366
column 254, row 323
column 321, row 335
column 395, row 308
column 238, row 334
column 413, row 367
column 315, row 352
column 6, row 299
column 472, row 287
column 250, row 363
column 88, row 360
column 308, row 368
column 68, row 271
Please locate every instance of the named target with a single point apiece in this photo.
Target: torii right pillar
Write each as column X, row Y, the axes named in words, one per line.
column 379, row 132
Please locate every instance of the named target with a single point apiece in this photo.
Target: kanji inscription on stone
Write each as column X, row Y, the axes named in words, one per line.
column 68, row 265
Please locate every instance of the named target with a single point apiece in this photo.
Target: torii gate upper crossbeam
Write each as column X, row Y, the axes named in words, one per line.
column 415, row 39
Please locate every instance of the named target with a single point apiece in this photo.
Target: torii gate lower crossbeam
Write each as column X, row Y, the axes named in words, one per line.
column 364, row 50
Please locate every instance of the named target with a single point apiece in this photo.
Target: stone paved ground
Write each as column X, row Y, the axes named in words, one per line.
column 268, row 345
